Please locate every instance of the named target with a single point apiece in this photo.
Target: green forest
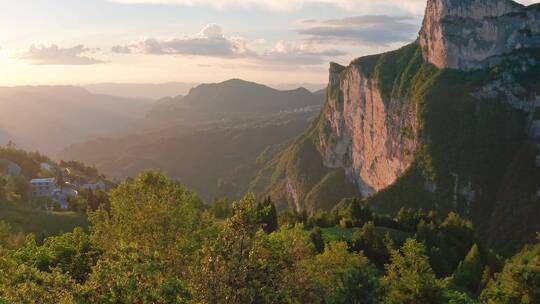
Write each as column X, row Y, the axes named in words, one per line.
column 155, row 241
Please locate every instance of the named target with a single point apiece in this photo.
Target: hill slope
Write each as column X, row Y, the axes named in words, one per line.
column 431, row 125
column 214, row 140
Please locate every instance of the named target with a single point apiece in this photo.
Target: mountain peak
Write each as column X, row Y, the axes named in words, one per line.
column 470, row 34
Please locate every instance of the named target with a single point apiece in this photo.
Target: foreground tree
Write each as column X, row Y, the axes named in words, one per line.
column 346, row 277
column 519, row 282
column 244, row 264
column 129, row 275
column 470, row 270
column 149, row 239
column 154, row 213
column 20, row 283
column 410, row 278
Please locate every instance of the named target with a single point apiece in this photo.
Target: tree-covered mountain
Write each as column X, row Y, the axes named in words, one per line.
column 49, row 118
column 229, row 100
column 214, row 160
column 447, row 123
column 214, row 140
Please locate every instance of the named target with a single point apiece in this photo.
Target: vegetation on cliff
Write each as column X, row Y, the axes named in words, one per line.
column 467, row 142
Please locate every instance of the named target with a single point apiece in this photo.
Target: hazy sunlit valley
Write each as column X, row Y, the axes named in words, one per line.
column 261, row 151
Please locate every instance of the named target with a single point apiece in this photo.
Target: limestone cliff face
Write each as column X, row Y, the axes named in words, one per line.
column 438, row 124
column 370, row 135
column 374, row 135
column 469, row 34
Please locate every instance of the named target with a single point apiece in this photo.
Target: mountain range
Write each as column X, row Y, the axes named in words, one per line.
column 214, row 140
column 230, row 100
column 50, row 118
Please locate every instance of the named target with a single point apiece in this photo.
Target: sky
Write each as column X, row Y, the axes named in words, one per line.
column 77, row 42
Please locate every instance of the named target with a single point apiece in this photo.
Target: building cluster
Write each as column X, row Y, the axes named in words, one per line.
column 49, row 187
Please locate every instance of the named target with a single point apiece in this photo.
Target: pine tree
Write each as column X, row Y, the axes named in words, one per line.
column 411, row 279
column 470, row 271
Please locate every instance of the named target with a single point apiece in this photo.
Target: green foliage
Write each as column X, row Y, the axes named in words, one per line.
column 448, row 242
column 346, row 277
column 27, row 219
column 246, row 265
column 221, row 208
column 337, row 234
column 129, row 275
column 519, row 282
column 152, row 212
column 9, row 239
column 28, row 161
column 470, row 270
column 70, row 253
column 410, row 278
column 369, row 241
column 356, row 214
column 157, row 245
column 25, row 284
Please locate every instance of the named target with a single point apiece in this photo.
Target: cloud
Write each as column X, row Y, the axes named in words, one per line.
column 411, row 6
column 210, row 41
column 379, row 30
column 299, row 54
column 54, row 55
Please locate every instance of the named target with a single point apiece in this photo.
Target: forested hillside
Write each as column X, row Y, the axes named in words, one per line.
column 157, row 244
column 214, row 140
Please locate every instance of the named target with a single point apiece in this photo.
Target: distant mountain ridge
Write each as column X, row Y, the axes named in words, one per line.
column 152, row 91
column 232, row 99
column 48, row 118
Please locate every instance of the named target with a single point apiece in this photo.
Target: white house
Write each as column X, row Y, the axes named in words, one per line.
column 43, row 187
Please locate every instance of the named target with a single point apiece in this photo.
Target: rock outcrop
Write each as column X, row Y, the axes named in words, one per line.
column 367, row 135
column 437, row 124
column 470, row 34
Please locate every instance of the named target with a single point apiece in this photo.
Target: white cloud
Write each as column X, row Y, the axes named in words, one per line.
column 377, row 30
column 299, row 54
column 210, row 41
column 55, row 55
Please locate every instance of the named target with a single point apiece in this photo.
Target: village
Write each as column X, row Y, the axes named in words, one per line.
column 56, row 186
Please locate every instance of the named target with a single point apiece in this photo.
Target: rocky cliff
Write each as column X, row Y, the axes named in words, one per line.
column 440, row 124
column 469, row 34
column 370, row 133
